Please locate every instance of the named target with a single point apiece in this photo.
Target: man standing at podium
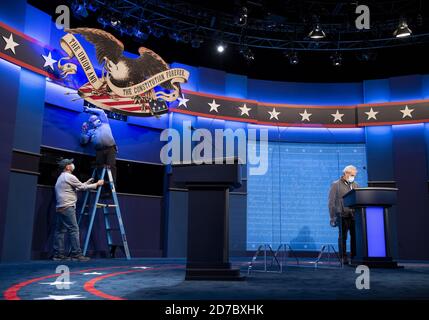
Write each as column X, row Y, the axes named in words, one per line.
column 340, row 216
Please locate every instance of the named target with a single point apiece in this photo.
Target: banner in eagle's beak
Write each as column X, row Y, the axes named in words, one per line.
column 140, row 99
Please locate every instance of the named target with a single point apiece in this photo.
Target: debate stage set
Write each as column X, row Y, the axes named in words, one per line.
column 235, row 152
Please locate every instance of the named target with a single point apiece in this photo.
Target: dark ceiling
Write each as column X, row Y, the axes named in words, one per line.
column 367, row 54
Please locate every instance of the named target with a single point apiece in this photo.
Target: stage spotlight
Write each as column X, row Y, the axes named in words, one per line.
column 80, row 9
column 336, row 59
column 317, row 33
column 247, row 54
column 293, row 58
column 403, row 30
column 220, row 48
column 242, row 17
column 115, row 22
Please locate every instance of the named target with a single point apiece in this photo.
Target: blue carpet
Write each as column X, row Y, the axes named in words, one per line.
column 159, row 279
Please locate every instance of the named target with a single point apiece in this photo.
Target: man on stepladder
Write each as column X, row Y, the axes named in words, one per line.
column 97, row 130
column 66, row 195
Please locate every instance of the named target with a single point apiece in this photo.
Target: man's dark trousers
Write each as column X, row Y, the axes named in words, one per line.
column 106, row 157
column 347, row 225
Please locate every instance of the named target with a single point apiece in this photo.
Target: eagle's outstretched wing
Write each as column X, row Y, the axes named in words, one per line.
column 106, row 45
column 152, row 64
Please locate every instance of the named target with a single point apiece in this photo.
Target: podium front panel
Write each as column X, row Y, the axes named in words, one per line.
column 375, row 228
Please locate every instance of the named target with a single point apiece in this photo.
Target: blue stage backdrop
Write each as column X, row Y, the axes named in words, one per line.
column 289, row 204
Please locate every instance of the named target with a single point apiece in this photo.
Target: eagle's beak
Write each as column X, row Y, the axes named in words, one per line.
column 107, row 64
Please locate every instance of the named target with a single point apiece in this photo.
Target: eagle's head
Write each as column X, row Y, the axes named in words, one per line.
column 118, row 71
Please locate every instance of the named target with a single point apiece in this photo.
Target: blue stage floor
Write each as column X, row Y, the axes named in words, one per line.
column 161, row 279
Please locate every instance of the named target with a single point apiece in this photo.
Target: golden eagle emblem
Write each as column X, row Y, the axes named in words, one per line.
column 127, row 85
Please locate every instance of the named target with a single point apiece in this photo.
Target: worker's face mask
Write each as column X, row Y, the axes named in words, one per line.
column 72, row 167
column 96, row 123
column 351, row 179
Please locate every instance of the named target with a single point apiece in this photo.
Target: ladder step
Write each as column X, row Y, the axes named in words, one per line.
column 104, row 205
column 112, row 229
column 92, row 211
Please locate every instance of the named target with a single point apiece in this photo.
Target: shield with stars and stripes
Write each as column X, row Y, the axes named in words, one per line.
column 107, row 100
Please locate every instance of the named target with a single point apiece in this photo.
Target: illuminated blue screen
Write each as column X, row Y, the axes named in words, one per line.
column 289, row 204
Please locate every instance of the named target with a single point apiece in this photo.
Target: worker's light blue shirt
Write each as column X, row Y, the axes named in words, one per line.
column 101, row 136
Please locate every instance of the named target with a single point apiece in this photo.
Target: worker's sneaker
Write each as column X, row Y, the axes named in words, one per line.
column 60, row 257
column 80, row 258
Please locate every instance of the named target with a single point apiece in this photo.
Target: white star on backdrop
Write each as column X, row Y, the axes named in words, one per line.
column 213, row 106
column 244, row 110
column 10, row 44
column 92, row 273
column 57, row 283
column 406, row 112
column 305, row 115
column 53, row 297
column 338, row 116
column 49, row 61
column 274, row 114
column 372, row 114
column 183, row 101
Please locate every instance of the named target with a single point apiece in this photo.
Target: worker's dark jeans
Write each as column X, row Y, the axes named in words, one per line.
column 106, row 157
column 66, row 223
column 347, row 225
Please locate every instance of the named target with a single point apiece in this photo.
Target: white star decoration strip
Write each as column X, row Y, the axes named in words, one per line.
column 305, row 116
column 244, row 110
column 57, row 283
column 213, row 106
column 338, row 116
column 10, row 43
column 141, row 268
column 49, row 62
column 372, row 114
column 183, row 101
column 274, row 114
column 406, row 112
column 92, row 273
column 67, row 297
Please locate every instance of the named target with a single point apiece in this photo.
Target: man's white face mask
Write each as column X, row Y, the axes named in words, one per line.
column 72, row 167
column 96, row 123
column 351, row 179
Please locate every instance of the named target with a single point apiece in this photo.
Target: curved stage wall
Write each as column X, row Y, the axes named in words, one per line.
column 35, row 113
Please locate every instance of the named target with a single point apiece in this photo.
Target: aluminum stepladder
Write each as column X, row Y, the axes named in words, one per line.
column 106, row 213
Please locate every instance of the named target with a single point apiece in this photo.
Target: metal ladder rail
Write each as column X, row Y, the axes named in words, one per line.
column 118, row 215
column 92, row 215
column 85, row 199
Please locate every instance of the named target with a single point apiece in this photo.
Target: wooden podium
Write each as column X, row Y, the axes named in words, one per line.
column 208, row 218
column 372, row 225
